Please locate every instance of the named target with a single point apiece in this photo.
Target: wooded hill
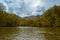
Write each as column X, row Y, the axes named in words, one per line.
column 50, row 18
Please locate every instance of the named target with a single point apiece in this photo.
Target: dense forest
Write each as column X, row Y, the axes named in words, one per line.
column 50, row 18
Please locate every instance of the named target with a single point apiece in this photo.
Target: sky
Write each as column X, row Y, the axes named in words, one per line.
column 25, row 8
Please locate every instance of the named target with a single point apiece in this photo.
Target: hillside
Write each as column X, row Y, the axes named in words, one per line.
column 8, row 19
column 50, row 18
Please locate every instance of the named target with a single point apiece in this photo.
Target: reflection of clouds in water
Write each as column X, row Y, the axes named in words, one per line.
column 20, row 33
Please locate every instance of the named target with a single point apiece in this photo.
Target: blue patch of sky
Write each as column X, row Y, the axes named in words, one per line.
column 29, row 7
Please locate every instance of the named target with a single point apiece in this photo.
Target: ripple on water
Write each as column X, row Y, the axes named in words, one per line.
column 22, row 33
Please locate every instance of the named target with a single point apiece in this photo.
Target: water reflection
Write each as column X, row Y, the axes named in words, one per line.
column 29, row 33
column 7, row 33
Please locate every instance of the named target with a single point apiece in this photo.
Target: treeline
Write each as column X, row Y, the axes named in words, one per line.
column 50, row 18
column 8, row 19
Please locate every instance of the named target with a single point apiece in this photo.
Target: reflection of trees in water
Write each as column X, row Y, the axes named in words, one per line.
column 9, row 29
column 52, row 33
column 13, row 33
column 8, row 32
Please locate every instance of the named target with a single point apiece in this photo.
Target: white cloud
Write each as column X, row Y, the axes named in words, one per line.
column 23, row 7
column 27, row 7
column 38, row 2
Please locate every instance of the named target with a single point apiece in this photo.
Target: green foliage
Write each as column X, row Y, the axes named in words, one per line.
column 50, row 18
column 7, row 19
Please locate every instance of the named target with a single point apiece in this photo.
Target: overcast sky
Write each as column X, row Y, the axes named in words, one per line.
column 28, row 7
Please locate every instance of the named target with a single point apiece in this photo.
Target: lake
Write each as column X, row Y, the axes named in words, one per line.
column 29, row 33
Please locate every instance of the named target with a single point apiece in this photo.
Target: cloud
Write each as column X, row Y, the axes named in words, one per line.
column 22, row 7
column 28, row 7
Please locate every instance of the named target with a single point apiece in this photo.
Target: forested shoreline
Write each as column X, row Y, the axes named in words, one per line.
column 50, row 18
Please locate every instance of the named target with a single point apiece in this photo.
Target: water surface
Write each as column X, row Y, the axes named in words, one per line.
column 29, row 33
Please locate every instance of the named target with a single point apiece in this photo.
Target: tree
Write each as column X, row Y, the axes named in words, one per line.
column 2, row 7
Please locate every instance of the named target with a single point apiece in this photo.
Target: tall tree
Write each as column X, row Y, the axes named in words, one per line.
column 2, row 7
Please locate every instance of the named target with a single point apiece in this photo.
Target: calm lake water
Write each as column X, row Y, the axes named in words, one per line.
column 29, row 33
